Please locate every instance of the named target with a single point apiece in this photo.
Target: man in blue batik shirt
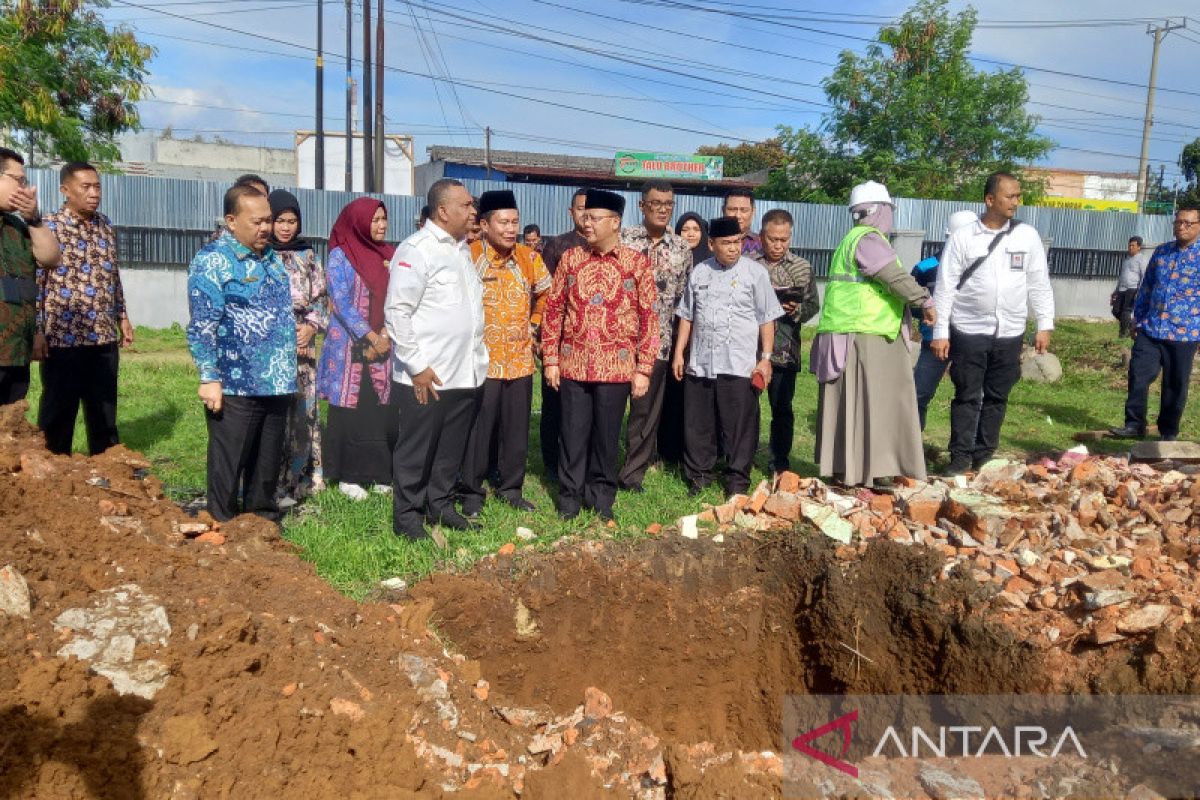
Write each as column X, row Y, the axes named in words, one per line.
column 243, row 340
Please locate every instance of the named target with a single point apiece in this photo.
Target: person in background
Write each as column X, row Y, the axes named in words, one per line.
column 670, row 261
column 1132, row 269
column 693, row 228
column 867, row 426
column 353, row 373
column 550, row 422
column 474, row 229
column 792, row 278
column 243, row 339
column 929, row 369
column 1166, row 330
column 82, row 321
column 301, row 473
column 531, row 237
column 25, row 245
column 423, row 217
column 436, row 319
column 599, row 344
column 739, row 204
column 722, row 354
column 515, row 282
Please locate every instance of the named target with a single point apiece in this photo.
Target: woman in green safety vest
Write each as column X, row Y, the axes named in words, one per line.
column 867, row 425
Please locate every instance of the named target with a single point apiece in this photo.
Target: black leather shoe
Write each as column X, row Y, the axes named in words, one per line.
column 1167, row 438
column 695, row 489
column 449, row 518
column 957, row 466
column 1128, row 432
column 636, row 488
column 520, row 503
column 414, row 532
column 568, row 513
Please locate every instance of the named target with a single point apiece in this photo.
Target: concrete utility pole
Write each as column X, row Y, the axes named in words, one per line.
column 320, row 174
column 348, row 180
column 1159, row 33
column 487, row 150
column 380, row 128
column 368, row 111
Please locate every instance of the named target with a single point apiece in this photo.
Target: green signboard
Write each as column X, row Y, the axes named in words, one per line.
column 665, row 165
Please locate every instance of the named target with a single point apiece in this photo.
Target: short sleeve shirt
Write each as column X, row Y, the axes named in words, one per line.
column 726, row 306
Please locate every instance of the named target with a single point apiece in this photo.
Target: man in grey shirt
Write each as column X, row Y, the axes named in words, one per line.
column 727, row 312
column 1132, row 269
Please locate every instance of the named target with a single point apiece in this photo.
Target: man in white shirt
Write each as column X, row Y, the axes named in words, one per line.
column 1128, row 281
column 991, row 272
column 434, row 314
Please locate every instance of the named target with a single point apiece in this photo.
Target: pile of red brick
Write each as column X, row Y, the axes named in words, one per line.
column 1083, row 547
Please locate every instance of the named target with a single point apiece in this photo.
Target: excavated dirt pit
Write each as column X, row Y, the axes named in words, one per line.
column 701, row 642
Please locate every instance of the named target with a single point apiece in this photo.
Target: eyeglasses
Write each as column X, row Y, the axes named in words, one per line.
column 659, row 205
column 1184, row 223
column 590, row 217
column 21, row 180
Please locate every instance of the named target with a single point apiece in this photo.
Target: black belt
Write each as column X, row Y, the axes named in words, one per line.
column 18, row 290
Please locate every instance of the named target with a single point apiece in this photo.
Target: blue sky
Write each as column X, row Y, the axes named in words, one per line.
column 698, row 76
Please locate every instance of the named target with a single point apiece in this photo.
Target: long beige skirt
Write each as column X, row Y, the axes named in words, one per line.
column 867, row 424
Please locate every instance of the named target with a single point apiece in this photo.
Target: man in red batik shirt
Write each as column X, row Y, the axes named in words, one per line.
column 599, row 342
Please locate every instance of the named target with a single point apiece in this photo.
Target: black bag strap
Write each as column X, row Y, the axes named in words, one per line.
column 970, row 270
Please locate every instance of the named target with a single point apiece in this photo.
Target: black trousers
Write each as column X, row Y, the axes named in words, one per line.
column 591, row 434
column 725, row 406
column 549, row 426
column 72, row 376
column 670, row 421
column 984, row 370
column 245, row 448
column 1148, row 357
column 780, row 393
column 641, row 429
column 429, row 454
column 499, row 442
column 358, row 442
column 14, row 384
column 1123, row 310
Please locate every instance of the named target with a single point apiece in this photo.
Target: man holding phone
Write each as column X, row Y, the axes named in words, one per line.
column 792, row 277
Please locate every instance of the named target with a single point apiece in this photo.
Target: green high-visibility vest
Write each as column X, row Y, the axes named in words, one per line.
column 853, row 303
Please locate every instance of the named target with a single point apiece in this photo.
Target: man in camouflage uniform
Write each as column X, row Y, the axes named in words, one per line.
column 24, row 243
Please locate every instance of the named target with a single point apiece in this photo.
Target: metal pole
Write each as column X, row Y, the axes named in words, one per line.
column 380, row 126
column 368, row 103
column 348, row 182
column 320, row 166
column 487, row 150
column 1159, row 33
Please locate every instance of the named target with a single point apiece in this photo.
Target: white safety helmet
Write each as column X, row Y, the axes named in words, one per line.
column 870, row 192
column 960, row 219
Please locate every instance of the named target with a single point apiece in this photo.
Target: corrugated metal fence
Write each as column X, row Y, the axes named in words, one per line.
column 163, row 218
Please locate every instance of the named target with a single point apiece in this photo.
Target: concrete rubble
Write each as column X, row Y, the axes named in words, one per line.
column 1079, row 548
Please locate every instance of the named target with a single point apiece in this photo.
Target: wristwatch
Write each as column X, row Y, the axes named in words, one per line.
column 37, row 223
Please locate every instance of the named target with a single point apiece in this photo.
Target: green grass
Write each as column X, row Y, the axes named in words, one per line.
column 352, row 546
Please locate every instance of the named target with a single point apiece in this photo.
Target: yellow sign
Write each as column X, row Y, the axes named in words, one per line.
column 1088, row 204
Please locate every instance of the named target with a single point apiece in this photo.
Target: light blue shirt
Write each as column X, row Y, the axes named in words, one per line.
column 727, row 306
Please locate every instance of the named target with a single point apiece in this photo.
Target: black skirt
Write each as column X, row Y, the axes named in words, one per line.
column 358, row 442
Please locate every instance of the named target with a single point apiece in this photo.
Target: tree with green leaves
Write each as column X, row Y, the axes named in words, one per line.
column 913, row 113
column 1189, row 165
column 68, row 83
column 748, row 157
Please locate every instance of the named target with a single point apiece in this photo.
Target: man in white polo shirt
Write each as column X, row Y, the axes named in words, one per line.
column 991, row 272
column 434, row 315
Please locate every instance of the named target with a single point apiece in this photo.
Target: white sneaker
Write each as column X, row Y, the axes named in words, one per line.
column 382, row 488
column 353, row 491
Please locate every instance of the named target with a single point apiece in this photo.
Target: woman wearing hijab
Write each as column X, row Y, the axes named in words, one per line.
column 301, row 473
column 354, row 374
column 867, row 424
column 694, row 230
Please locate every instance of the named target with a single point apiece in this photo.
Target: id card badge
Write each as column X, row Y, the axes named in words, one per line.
column 1016, row 261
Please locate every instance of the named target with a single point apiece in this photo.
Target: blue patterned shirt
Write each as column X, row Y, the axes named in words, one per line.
column 241, row 331
column 1168, row 302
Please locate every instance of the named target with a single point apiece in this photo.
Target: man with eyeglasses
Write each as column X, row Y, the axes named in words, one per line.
column 599, row 344
column 671, row 261
column 739, row 204
column 1166, row 330
column 24, row 245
